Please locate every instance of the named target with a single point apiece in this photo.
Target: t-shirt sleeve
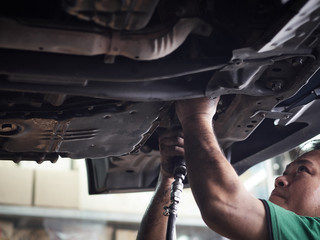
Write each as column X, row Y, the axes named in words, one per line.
column 288, row 225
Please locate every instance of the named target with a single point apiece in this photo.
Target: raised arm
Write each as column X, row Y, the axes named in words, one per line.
column 225, row 205
column 154, row 223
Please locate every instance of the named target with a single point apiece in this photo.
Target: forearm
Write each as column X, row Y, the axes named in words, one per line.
column 215, row 185
column 154, row 223
column 207, row 165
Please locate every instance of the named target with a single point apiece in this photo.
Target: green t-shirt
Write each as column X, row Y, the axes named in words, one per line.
column 288, row 225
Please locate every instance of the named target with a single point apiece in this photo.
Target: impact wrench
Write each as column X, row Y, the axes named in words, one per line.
column 179, row 173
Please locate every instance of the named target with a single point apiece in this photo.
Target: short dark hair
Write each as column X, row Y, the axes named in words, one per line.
column 309, row 146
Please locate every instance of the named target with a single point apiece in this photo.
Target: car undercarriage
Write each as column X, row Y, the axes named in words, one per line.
column 97, row 79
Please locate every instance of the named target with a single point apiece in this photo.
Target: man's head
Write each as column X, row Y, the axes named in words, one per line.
column 298, row 189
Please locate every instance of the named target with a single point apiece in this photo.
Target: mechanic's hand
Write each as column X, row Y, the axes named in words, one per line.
column 171, row 145
column 199, row 107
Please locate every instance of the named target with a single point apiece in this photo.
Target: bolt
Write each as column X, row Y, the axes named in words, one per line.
column 54, row 160
column 276, row 86
column 16, row 161
column 8, row 128
column 145, row 149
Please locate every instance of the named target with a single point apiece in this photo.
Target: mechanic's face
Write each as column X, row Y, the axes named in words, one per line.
column 298, row 189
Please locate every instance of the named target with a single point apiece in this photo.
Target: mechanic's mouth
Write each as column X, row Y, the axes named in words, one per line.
column 275, row 193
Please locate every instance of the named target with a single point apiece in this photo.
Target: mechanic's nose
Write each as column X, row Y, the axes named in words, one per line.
column 281, row 181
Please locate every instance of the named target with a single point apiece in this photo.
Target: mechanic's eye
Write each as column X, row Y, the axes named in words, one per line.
column 302, row 169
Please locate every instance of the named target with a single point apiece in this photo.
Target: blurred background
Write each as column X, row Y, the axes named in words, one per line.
column 51, row 202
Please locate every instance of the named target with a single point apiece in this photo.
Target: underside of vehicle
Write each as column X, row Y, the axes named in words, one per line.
column 97, row 79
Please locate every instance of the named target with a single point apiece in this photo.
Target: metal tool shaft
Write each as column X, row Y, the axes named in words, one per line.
column 180, row 172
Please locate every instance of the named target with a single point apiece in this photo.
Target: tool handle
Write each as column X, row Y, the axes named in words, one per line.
column 171, row 227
